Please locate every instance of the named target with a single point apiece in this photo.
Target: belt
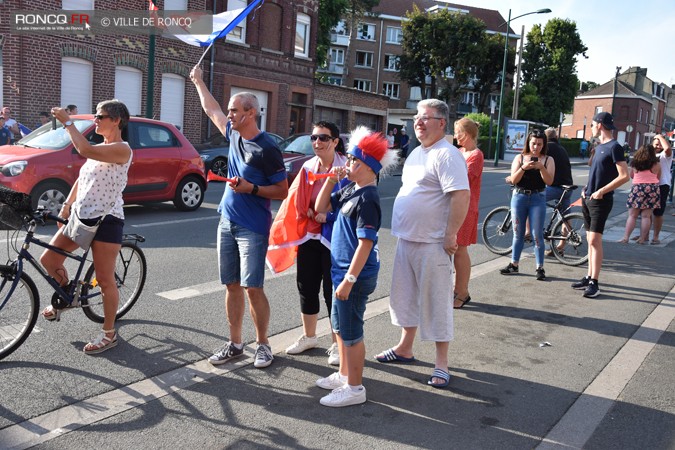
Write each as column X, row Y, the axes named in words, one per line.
column 529, row 191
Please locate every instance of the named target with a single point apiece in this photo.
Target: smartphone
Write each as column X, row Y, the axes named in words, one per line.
column 534, row 158
column 53, row 122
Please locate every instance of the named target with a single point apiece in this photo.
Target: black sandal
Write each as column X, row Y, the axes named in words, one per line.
column 464, row 302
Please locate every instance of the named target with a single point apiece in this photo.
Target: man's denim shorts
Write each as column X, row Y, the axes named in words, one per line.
column 241, row 255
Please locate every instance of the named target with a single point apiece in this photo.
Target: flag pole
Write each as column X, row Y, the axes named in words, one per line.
column 205, row 52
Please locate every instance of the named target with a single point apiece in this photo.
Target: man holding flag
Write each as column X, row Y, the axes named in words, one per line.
column 256, row 167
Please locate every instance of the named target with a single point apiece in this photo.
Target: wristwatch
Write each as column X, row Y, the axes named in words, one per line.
column 350, row 278
column 67, row 123
column 254, row 191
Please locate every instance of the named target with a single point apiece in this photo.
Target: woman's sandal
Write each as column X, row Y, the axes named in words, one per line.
column 622, row 241
column 101, row 343
column 463, row 301
column 50, row 314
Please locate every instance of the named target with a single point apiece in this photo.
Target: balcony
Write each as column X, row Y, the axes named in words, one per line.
column 339, row 39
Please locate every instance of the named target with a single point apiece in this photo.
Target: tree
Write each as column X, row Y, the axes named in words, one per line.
column 549, row 65
column 445, row 46
column 530, row 104
column 588, row 86
column 488, row 71
column 482, row 119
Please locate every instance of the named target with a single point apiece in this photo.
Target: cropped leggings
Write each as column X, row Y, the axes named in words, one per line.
column 313, row 275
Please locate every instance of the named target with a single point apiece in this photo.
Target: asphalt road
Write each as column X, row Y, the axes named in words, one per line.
column 154, row 390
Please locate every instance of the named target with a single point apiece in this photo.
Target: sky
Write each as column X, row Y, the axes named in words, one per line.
column 618, row 33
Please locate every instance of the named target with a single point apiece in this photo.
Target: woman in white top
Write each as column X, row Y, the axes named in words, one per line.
column 96, row 193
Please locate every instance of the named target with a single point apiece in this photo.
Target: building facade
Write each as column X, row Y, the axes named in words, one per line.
column 637, row 103
column 271, row 53
column 369, row 60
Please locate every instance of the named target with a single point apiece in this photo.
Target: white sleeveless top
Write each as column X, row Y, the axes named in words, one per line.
column 99, row 189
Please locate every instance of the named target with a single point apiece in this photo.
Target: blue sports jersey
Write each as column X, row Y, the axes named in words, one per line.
column 359, row 216
column 258, row 161
column 603, row 169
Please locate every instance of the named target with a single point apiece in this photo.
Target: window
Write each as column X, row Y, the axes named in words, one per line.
column 78, row 5
column 154, row 136
column 173, row 99
column 76, row 82
column 392, row 62
column 336, row 56
column 640, row 116
column 598, row 109
column 239, row 32
column 394, row 35
column 362, row 85
column 470, row 98
column 364, row 59
column 174, row 5
column 335, row 80
column 302, row 35
column 366, row 32
column 391, row 90
column 128, row 85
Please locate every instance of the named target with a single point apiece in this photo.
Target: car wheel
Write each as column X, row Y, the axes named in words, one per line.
column 189, row 194
column 219, row 167
column 50, row 195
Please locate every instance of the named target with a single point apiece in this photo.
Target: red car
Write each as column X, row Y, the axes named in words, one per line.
column 297, row 149
column 165, row 165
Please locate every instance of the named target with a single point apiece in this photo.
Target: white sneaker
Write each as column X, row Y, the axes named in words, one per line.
column 263, row 356
column 333, row 355
column 302, row 344
column 344, row 396
column 332, row 381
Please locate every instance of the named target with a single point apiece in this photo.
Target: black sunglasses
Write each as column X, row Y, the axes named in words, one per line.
column 101, row 116
column 321, row 137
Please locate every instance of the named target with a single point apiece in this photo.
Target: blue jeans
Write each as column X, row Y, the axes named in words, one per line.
column 553, row 193
column 241, row 255
column 532, row 206
column 347, row 315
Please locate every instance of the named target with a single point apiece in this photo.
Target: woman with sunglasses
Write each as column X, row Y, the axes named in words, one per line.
column 96, row 194
column 531, row 172
column 313, row 259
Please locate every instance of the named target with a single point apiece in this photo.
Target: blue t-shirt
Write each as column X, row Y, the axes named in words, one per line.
column 258, row 161
column 603, row 169
column 359, row 216
column 5, row 137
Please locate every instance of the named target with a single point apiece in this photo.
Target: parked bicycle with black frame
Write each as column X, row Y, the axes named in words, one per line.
column 565, row 232
column 19, row 296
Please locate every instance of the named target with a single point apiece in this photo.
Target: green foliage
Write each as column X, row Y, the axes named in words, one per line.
column 484, row 121
column 530, row 105
column 573, row 146
column 588, row 86
column 488, row 70
column 549, row 64
column 435, row 42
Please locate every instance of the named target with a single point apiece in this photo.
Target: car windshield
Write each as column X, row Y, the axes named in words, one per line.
column 47, row 138
column 297, row 144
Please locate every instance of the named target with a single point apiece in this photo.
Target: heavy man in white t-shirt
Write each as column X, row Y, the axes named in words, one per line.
column 428, row 211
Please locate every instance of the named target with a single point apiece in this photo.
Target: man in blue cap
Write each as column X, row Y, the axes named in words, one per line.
column 607, row 173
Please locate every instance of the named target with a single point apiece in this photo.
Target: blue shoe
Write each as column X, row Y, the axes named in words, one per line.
column 439, row 373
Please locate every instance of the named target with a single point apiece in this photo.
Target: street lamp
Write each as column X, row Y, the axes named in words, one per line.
column 501, row 92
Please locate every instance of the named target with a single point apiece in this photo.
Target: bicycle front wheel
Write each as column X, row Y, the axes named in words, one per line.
column 497, row 231
column 568, row 241
column 20, row 311
column 130, row 271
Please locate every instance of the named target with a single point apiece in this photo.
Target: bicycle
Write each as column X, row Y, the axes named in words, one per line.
column 19, row 296
column 565, row 232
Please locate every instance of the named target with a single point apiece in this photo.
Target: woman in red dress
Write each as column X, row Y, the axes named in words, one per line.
column 466, row 133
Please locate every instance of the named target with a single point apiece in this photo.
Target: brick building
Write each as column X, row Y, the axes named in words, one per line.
column 633, row 99
column 375, row 47
column 271, row 54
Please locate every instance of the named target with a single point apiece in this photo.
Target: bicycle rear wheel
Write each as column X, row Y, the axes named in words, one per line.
column 571, row 232
column 497, row 231
column 130, row 272
column 19, row 313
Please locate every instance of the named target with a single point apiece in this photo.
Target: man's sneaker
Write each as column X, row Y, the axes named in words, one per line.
column 508, row 270
column 541, row 275
column 302, row 344
column 263, row 356
column 333, row 355
column 593, row 290
column 582, row 284
column 226, row 353
column 344, row 396
column 333, row 381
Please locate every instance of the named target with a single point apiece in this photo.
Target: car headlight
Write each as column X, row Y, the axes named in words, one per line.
column 14, row 168
column 205, row 157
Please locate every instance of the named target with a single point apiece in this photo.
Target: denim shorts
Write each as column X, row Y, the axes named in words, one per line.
column 347, row 315
column 241, row 255
column 110, row 230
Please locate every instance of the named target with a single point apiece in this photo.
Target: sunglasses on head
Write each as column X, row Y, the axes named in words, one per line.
column 321, row 137
column 101, row 116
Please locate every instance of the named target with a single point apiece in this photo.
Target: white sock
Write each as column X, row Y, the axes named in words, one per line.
column 356, row 388
column 238, row 346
